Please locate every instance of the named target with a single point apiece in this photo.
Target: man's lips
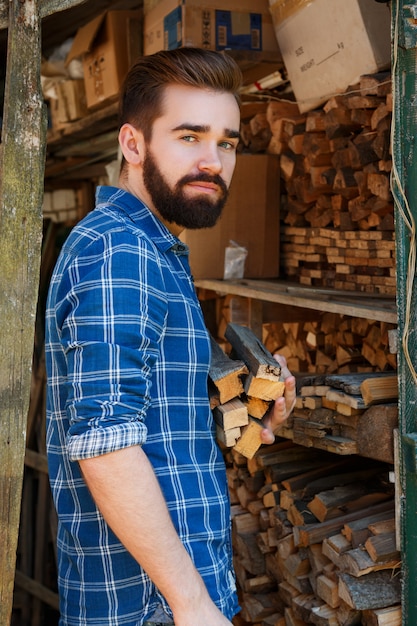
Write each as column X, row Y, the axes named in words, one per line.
column 203, row 186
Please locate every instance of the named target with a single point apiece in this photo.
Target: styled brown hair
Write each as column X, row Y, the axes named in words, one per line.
column 142, row 93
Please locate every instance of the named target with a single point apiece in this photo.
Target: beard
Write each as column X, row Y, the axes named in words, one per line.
column 172, row 203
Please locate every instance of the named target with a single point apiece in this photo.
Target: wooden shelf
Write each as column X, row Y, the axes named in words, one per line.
column 361, row 305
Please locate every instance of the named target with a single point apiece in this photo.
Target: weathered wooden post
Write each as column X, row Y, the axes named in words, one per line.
column 22, row 159
column 404, row 186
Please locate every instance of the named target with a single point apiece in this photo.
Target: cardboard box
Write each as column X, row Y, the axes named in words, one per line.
column 232, row 24
column 70, row 104
column 327, row 45
column 250, row 218
column 108, row 45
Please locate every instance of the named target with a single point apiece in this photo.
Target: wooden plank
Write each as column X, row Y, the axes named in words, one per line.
column 358, row 563
column 23, row 151
column 383, row 548
column 379, row 389
column 391, row 616
column 314, row 533
column 382, row 419
column 318, row 299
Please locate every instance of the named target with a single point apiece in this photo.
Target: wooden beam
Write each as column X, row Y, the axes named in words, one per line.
column 37, row 590
column 21, row 191
column 46, row 7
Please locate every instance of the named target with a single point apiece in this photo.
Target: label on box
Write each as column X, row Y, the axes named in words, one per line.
column 238, row 30
column 172, row 29
column 328, row 44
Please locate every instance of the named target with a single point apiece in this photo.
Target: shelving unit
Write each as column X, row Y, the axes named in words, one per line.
column 291, row 294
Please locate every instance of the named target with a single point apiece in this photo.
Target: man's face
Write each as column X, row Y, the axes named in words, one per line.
column 189, row 162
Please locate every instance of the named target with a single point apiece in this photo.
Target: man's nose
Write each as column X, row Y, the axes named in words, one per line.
column 210, row 159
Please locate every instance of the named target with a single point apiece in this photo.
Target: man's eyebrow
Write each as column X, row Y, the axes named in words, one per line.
column 202, row 128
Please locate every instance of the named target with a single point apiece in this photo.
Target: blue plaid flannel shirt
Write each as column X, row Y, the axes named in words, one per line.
column 127, row 356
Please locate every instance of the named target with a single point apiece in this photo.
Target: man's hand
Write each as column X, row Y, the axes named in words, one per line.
column 282, row 406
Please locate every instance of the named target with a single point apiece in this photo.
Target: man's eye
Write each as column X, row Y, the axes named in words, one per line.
column 227, row 145
column 189, row 138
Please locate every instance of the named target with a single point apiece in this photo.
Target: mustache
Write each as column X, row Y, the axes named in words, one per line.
column 203, row 177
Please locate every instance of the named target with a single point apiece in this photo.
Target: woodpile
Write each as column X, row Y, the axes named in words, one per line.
column 314, row 538
column 333, row 343
column 337, row 214
column 316, row 342
column 314, row 520
column 342, row 413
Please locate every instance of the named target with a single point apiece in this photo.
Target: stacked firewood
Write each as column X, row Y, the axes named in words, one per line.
column 317, row 342
column 314, row 524
column 334, row 343
column 315, row 532
column 337, row 213
column 341, row 414
column 314, row 538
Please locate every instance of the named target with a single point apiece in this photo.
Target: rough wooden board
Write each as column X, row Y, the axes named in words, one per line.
column 251, row 351
column 357, row 531
column 327, row 590
column 266, row 388
column 351, row 383
column 379, row 389
column 335, row 444
column 383, row 547
column 344, row 499
column 314, row 533
column 22, row 159
column 373, row 591
column 390, row 616
column 324, row 616
column 354, row 401
column 256, row 406
column 226, row 373
column 228, row 437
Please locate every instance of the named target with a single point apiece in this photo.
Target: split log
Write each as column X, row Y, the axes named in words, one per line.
column 373, row 591
column 231, row 414
column 251, row 351
column 391, row 616
column 225, row 373
column 382, row 548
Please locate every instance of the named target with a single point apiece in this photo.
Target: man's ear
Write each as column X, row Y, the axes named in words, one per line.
column 132, row 144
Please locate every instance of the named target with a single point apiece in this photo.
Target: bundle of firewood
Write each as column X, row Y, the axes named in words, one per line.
column 338, row 223
column 242, row 388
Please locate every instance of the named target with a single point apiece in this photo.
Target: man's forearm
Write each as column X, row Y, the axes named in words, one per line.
column 127, row 493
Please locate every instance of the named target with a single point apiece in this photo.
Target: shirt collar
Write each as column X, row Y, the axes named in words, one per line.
column 137, row 211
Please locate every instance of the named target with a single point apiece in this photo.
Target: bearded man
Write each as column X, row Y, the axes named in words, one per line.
column 137, row 477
